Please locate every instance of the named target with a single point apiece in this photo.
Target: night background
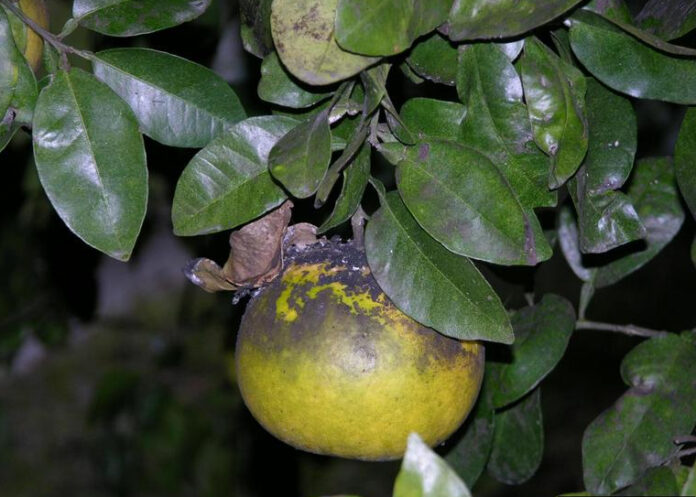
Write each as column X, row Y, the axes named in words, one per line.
column 116, row 379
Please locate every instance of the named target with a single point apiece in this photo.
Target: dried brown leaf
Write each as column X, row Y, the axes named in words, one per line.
column 207, row 275
column 256, row 249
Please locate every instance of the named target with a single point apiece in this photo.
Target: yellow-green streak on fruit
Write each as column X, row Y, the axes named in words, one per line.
column 328, row 364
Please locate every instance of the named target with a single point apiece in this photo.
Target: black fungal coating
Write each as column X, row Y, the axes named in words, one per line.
column 357, row 278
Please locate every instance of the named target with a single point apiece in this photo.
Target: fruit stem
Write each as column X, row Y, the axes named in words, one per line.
column 627, row 329
column 46, row 35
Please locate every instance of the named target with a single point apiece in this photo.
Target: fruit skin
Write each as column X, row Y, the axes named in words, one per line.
column 27, row 41
column 328, row 364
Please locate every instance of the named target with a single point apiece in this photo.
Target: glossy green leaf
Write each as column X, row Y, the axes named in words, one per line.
column 518, row 441
column 356, row 142
column 91, row 161
column 613, row 139
column 482, row 19
column 278, row 87
column 434, row 58
column 555, row 95
column 511, row 49
column 611, row 9
column 617, row 25
column 460, row 198
column 386, row 27
column 685, row 160
column 469, row 456
column 303, row 32
column 425, row 474
column 135, row 17
column 176, row 101
column 569, row 240
column 689, row 487
column 439, row 289
column 497, row 123
column 228, row 182
column 355, row 177
column 256, row 35
column 374, row 82
column 542, row 333
column 606, row 217
column 643, row 71
column 656, row 481
column 668, row 19
column 300, row 158
column 637, row 432
column 654, row 195
column 427, row 117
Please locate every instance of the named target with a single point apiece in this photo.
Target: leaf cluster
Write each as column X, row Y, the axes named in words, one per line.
column 543, row 122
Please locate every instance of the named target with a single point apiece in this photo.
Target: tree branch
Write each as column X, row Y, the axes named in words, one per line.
column 626, row 329
column 46, row 35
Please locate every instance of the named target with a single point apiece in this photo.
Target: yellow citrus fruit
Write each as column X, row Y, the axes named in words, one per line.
column 27, row 41
column 326, row 363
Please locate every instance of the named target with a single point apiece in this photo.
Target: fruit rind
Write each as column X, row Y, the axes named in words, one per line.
column 328, row 364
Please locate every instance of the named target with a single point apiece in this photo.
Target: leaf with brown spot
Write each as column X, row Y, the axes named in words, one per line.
column 637, row 432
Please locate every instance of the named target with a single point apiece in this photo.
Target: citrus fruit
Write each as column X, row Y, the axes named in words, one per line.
column 326, row 363
column 27, row 41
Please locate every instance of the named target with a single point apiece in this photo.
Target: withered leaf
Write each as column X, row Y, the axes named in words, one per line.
column 256, row 249
column 207, row 275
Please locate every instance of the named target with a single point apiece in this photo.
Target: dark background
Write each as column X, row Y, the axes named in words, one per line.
column 116, row 379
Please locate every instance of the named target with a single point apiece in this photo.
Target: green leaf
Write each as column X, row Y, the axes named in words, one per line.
column 300, row 158
column 689, row 487
column 427, row 117
column 470, row 454
column 614, row 24
column 177, row 102
column 668, row 19
column 685, row 159
column 9, row 71
column 374, row 82
column 497, row 124
column 429, row 283
column 425, row 474
column 278, row 87
column 611, row 9
column 386, row 27
column 355, row 177
column 542, row 333
column 461, row 199
column 637, row 432
column 91, row 161
column 135, row 17
column 228, row 183
column 555, row 95
column 642, row 72
column 656, row 481
column 606, row 217
column 256, row 26
column 481, row 19
column 434, row 58
column 518, row 441
column 654, row 195
column 303, row 31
